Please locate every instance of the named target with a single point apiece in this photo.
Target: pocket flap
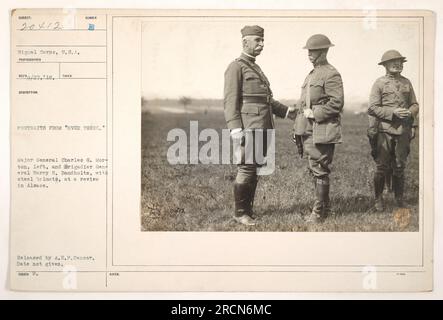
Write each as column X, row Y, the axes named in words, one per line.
column 251, row 76
column 317, row 83
column 405, row 88
column 250, row 109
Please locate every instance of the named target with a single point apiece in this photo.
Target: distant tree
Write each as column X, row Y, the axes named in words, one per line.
column 185, row 101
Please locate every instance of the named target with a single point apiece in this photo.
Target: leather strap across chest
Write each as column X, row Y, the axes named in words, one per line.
column 251, row 67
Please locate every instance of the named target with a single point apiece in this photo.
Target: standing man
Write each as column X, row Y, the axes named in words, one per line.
column 248, row 107
column 318, row 122
column 394, row 109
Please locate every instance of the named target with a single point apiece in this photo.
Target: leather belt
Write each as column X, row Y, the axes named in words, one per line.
column 256, row 99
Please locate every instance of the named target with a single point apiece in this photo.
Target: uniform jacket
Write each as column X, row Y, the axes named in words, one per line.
column 248, row 102
column 388, row 93
column 326, row 100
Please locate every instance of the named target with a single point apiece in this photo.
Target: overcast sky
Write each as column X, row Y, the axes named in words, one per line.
column 189, row 57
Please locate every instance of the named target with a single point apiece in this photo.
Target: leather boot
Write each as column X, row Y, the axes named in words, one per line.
column 379, row 184
column 320, row 211
column 327, row 202
column 242, row 203
column 398, row 184
column 253, row 187
column 388, row 181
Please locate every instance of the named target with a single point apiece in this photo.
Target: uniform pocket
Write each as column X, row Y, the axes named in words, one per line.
column 252, row 84
column 250, row 109
column 317, row 83
column 255, row 116
column 316, row 90
column 405, row 91
column 333, row 132
column 388, row 90
column 329, row 132
column 251, row 76
column 319, row 132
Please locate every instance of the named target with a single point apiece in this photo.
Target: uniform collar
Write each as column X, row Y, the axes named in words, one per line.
column 392, row 76
column 247, row 57
column 320, row 62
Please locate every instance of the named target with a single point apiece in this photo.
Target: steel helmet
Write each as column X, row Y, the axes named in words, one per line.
column 318, row 41
column 391, row 55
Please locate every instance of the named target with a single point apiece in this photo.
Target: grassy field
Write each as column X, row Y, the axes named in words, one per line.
column 200, row 197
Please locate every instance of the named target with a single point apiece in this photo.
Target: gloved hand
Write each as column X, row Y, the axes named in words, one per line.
column 292, row 113
column 292, row 108
column 308, row 113
column 402, row 113
column 238, row 136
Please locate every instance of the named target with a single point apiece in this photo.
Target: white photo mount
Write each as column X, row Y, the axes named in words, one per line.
column 85, row 235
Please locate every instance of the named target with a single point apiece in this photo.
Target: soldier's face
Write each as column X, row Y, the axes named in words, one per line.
column 314, row 54
column 394, row 66
column 253, row 45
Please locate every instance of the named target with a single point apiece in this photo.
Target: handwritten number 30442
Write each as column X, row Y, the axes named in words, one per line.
column 42, row 26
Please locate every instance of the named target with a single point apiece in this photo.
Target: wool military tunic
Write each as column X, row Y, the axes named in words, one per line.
column 248, row 102
column 389, row 93
column 322, row 91
column 392, row 135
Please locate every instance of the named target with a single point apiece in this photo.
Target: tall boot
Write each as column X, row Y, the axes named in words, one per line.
column 327, row 201
column 388, row 180
column 398, row 184
column 319, row 211
column 242, row 203
column 379, row 184
column 253, row 188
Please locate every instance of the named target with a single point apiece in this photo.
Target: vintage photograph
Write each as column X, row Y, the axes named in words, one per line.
column 222, row 150
column 272, row 124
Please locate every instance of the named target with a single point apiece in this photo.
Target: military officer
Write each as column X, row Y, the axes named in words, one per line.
column 318, row 121
column 394, row 111
column 248, row 107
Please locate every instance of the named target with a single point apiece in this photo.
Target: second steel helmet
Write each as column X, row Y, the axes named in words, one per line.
column 318, row 41
column 391, row 55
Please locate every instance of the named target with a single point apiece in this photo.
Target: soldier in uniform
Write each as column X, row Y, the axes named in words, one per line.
column 318, row 122
column 249, row 106
column 393, row 111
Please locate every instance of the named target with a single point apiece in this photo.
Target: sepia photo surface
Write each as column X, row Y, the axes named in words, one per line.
column 182, row 89
column 166, row 154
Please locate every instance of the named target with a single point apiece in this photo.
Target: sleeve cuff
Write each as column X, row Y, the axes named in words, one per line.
column 318, row 113
column 287, row 112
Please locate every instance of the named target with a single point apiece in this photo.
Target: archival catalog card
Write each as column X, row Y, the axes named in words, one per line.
column 176, row 150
